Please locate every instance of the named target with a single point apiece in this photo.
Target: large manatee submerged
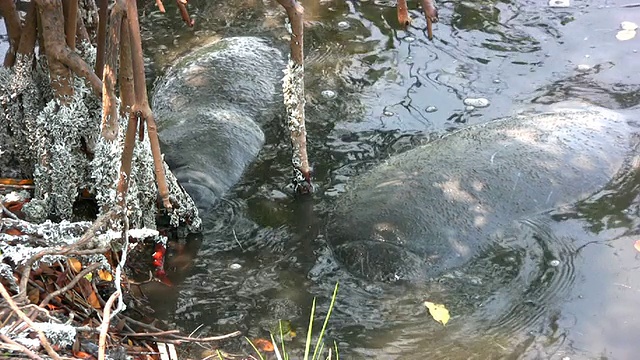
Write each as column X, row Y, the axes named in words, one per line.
column 434, row 207
column 210, row 106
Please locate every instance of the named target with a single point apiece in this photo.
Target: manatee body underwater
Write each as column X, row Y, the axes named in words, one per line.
column 210, row 105
column 432, row 208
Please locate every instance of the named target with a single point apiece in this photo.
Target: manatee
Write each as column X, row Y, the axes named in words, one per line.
column 432, row 208
column 209, row 107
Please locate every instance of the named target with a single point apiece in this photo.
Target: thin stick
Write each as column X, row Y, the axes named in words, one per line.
column 294, row 100
column 106, row 317
column 109, row 123
column 7, row 212
column 22, row 348
column 403, row 14
column 184, row 13
column 43, row 339
column 431, row 13
column 70, row 8
column 141, row 107
column 160, row 6
column 102, row 37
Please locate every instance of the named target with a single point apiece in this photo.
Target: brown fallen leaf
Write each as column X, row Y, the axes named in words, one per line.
column 14, row 232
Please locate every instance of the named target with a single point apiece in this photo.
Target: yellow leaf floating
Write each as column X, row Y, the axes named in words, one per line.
column 438, row 312
column 637, row 245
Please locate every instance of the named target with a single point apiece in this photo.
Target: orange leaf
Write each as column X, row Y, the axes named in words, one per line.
column 637, row 245
column 75, row 265
column 93, row 300
column 263, row 344
column 105, row 275
column 14, row 232
column 8, row 181
column 82, row 355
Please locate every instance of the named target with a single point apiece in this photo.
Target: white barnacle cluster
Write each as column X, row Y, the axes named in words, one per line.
column 62, row 134
column 293, row 91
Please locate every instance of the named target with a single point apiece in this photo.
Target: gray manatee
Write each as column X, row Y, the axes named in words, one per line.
column 433, row 208
column 210, row 106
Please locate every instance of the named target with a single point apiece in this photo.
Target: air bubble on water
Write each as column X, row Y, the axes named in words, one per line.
column 343, row 25
column 470, row 108
column 496, row 81
column 328, row 94
column 476, row 102
column 431, row 109
column 387, row 113
column 559, row 3
column 554, row 263
column 409, row 39
column 235, row 266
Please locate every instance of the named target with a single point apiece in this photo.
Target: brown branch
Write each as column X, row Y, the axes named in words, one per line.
column 403, row 14
column 109, row 104
column 431, row 13
column 43, row 339
column 52, row 19
column 127, row 100
column 160, row 6
column 182, row 5
column 70, row 10
column 102, row 342
column 141, row 107
column 294, row 99
column 12, row 22
column 28, row 37
column 81, row 31
column 102, row 36
column 295, row 12
column 25, row 350
column 79, row 66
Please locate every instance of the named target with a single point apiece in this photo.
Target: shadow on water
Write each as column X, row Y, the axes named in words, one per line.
column 560, row 284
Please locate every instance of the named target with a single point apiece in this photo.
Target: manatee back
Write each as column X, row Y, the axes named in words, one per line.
column 239, row 73
column 444, row 200
column 209, row 107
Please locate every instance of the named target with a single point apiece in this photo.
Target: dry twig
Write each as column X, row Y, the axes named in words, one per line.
column 106, row 318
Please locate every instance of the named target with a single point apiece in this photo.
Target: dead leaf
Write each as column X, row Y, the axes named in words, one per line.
column 105, row 275
column 263, row 344
column 14, row 232
column 75, row 265
column 637, row 245
column 34, row 296
column 438, row 311
column 87, row 292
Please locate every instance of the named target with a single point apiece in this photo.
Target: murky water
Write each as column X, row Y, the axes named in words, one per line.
column 561, row 285
column 564, row 284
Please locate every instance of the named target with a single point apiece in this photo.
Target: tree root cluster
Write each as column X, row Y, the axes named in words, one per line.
column 66, row 291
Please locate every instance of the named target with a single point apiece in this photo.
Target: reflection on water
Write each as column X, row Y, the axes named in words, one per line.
column 562, row 284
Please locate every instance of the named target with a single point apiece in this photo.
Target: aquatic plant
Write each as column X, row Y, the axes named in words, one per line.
column 282, row 353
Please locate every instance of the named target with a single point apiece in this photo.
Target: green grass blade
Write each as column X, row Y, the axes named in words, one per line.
column 326, row 321
column 284, row 352
column 307, row 346
column 275, row 347
column 219, row 354
column 255, row 348
column 335, row 346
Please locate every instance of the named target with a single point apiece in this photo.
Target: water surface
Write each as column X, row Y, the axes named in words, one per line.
column 564, row 284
